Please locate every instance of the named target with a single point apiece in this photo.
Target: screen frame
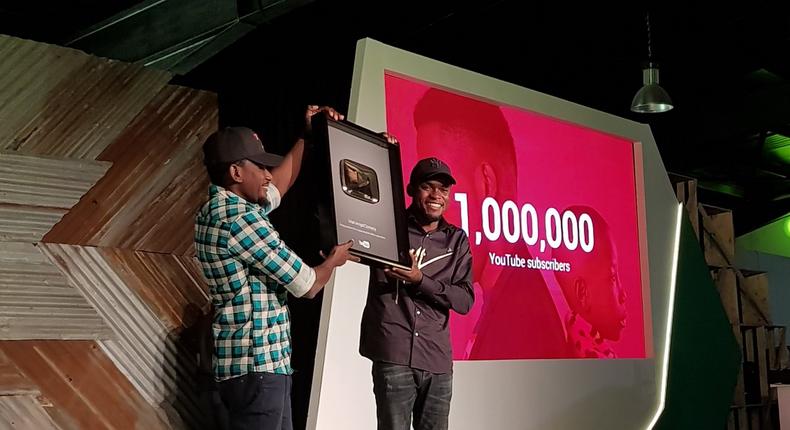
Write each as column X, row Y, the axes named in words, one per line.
column 341, row 376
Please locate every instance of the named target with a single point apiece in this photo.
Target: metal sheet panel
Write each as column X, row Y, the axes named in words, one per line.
column 145, row 350
column 36, row 301
column 172, row 286
column 63, row 102
column 24, row 412
column 148, row 199
column 46, row 181
column 83, row 386
column 12, row 380
column 23, row 223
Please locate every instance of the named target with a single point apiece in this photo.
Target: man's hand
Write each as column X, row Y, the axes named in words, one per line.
column 413, row 275
column 284, row 175
column 337, row 257
column 340, row 254
column 390, row 138
column 314, row 109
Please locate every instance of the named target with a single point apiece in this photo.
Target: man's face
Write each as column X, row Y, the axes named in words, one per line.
column 606, row 310
column 431, row 198
column 448, row 143
column 254, row 181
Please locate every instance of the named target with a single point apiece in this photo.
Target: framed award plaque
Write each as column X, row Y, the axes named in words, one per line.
column 361, row 198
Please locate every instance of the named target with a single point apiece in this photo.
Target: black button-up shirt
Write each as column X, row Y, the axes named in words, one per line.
column 407, row 324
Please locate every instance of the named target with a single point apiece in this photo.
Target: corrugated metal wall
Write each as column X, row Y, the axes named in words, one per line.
column 24, row 412
column 37, row 302
column 62, row 102
column 100, row 177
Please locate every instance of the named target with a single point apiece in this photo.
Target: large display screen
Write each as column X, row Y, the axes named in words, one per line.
column 555, row 222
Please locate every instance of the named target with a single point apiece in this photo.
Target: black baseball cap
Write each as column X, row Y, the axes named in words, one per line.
column 231, row 144
column 431, row 168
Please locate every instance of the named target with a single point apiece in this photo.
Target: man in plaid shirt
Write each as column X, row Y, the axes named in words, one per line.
column 250, row 272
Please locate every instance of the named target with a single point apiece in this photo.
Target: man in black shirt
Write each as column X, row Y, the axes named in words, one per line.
column 405, row 321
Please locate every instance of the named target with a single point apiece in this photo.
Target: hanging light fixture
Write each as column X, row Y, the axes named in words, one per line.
column 651, row 98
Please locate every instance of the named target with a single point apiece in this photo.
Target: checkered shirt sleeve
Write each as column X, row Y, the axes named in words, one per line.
column 254, row 241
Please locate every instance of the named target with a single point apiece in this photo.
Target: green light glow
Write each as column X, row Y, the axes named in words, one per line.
column 771, row 238
column 777, row 147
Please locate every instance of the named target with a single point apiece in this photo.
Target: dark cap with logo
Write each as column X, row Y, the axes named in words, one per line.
column 431, row 168
column 231, row 144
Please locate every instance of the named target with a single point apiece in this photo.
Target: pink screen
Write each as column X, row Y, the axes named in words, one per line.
column 551, row 212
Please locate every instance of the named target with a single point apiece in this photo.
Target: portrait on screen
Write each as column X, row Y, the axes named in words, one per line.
column 552, row 213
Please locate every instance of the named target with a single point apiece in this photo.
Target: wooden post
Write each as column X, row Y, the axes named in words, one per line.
column 726, row 284
column 686, row 192
column 754, row 298
column 718, row 236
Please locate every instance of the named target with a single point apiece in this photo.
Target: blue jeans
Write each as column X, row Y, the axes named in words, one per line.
column 258, row 401
column 402, row 392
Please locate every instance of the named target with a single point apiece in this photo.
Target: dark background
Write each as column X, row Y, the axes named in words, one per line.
column 726, row 68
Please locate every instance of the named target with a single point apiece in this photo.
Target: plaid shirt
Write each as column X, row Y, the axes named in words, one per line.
column 249, row 272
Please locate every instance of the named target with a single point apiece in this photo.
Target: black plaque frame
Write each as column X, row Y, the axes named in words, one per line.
column 327, row 213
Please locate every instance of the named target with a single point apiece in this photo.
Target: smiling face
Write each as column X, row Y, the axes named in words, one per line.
column 479, row 164
column 250, row 181
column 430, row 199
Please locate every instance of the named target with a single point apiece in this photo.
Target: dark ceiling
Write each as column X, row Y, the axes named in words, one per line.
column 726, row 68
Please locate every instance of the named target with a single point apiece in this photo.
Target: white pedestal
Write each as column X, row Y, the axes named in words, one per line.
column 783, row 401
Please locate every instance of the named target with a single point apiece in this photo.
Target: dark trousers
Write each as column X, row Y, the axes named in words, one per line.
column 402, row 392
column 259, row 401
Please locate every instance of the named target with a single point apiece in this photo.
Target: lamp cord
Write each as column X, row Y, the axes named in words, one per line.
column 649, row 38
